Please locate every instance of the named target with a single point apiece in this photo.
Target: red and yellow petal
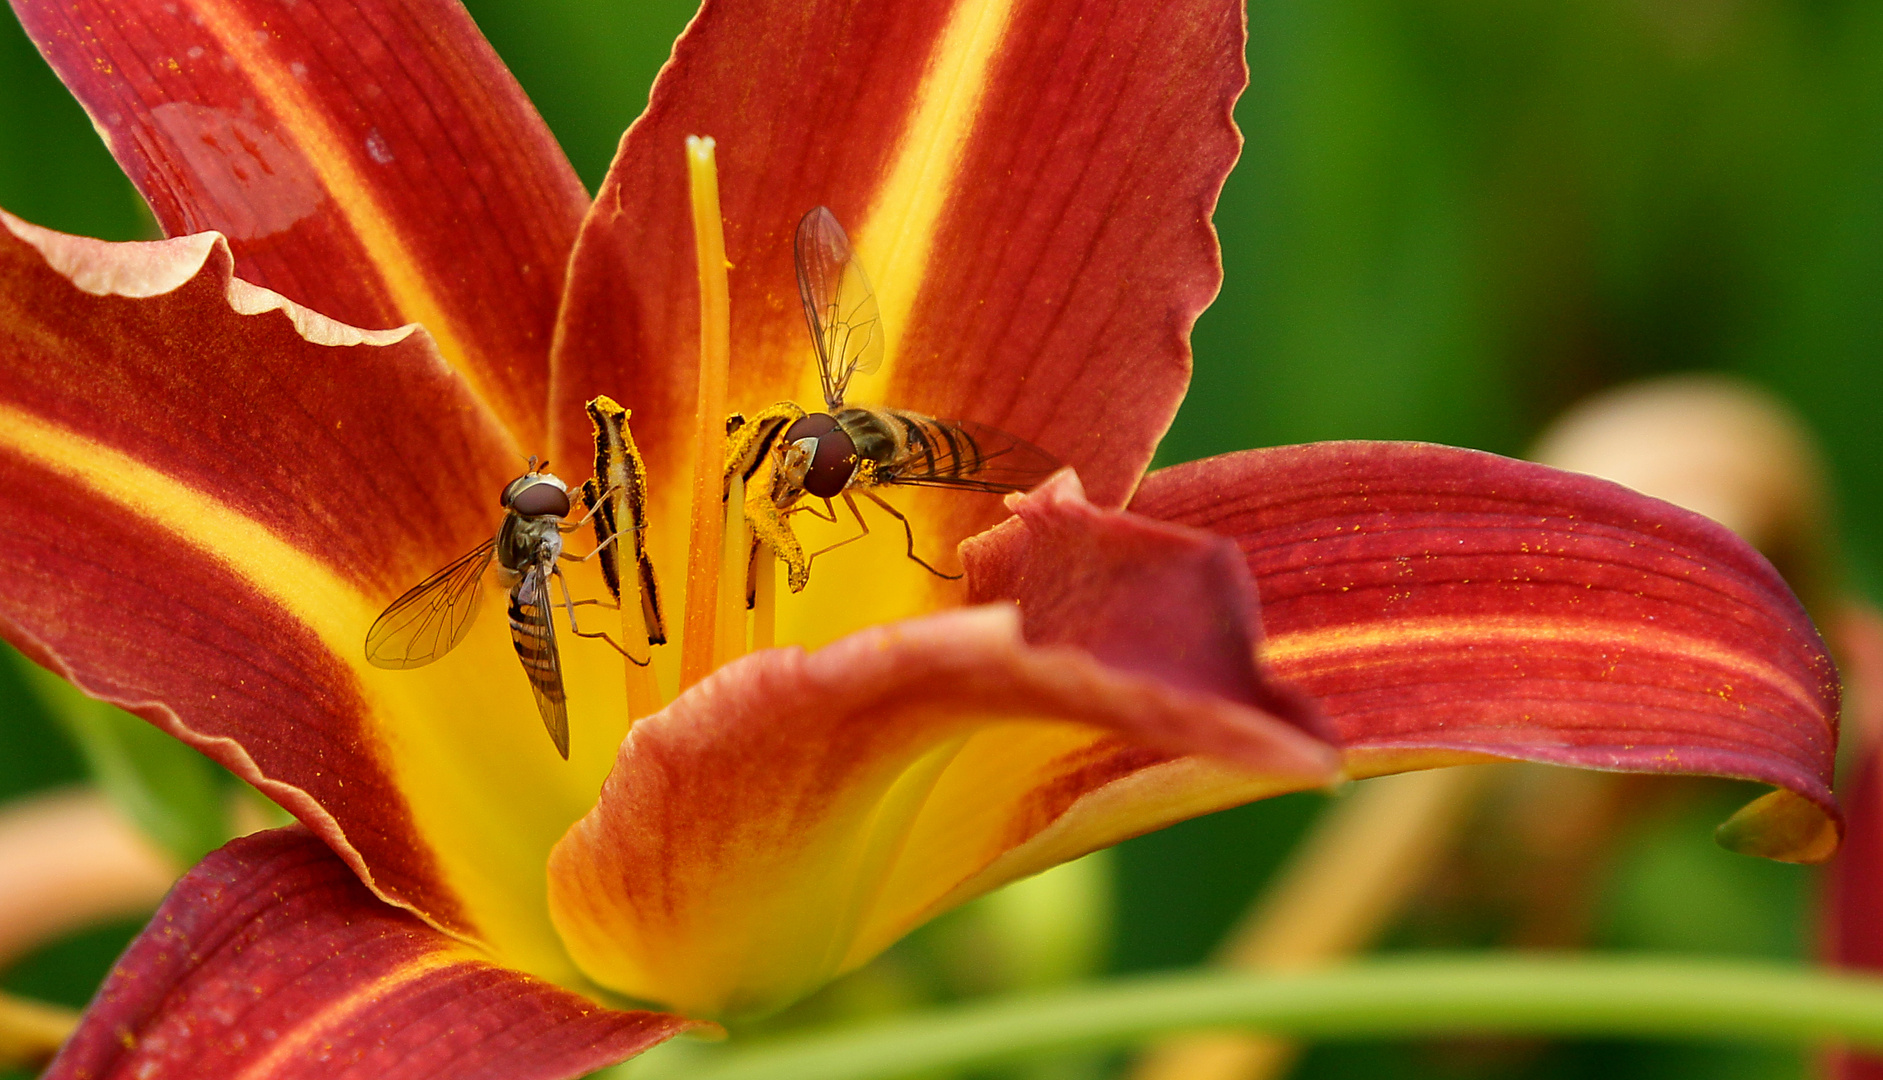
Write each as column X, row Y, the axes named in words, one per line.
column 1140, row 595
column 794, row 813
column 371, row 159
column 1028, row 184
column 212, row 493
column 1444, row 605
column 270, row 960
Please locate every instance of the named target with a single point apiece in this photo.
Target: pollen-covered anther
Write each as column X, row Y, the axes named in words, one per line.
column 617, row 499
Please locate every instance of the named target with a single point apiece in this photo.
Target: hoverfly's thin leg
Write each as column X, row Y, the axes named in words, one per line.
column 829, row 514
column 568, row 527
column 569, row 607
column 599, row 548
column 605, row 605
column 906, row 531
column 858, row 514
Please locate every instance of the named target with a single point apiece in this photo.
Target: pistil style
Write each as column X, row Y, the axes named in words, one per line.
column 707, row 549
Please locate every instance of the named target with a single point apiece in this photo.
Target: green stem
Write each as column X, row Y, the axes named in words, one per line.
column 1648, row 997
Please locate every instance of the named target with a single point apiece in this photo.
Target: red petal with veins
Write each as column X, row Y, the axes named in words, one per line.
column 371, row 159
column 1444, row 604
column 794, row 813
column 1027, row 182
column 270, row 960
column 352, row 446
column 211, row 494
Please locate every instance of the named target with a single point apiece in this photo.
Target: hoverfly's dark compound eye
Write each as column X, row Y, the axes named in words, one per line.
column 513, row 488
column 810, row 427
column 541, row 500
column 832, row 465
column 834, row 459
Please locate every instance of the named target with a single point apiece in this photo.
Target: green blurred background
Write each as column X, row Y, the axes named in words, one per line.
column 1452, row 219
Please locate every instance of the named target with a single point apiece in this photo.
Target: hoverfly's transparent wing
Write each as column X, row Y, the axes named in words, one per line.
column 533, row 633
column 433, row 616
column 964, row 455
column 839, row 305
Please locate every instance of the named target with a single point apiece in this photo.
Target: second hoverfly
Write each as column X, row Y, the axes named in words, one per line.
column 853, row 449
column 431, row 618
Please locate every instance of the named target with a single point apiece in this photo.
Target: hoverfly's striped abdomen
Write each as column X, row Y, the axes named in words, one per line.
column 535, row 642
column 535, row 648
column 935, row 448
column 909, row 444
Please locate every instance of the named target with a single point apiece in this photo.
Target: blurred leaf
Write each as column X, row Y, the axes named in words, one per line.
column 37, row 753
column 1683, row 1061
column 1673, row 889
column 587, row 64
column 1180, row 889
column 1054, row 927
column 54, row 169
column 66, row 972
column 172, row 792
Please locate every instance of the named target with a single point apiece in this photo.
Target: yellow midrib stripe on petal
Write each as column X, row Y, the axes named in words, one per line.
column 895, row 242
column 292, row 1049
column 1304, row 653
column 897, row 237
column 328, row 155
column 301, row 585
column 310, row 592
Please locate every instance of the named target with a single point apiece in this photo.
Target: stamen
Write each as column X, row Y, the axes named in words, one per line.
column 735, row 548
column 765, row 598
column 704, row 554
column 621, row 523
column 747, row 486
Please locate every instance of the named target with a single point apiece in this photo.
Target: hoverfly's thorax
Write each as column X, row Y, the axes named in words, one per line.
column 872, row 432
column 525, row 541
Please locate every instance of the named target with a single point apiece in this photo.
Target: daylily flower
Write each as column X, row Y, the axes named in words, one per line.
column 214, row 482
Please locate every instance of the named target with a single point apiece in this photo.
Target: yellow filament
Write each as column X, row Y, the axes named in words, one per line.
column 735, row 545
column 643, row 689
column 705, row 552
column 765, row 600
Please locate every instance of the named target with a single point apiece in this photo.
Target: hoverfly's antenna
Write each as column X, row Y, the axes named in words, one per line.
column 537, row 465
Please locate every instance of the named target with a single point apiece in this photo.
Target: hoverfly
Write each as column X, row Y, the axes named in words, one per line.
column 432, row 617
column 854, row 448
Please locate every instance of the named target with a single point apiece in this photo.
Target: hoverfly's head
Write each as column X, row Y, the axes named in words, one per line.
column 817, row 456
column 537, row 494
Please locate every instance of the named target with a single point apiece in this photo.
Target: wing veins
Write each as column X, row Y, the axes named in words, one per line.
column 431, row 618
